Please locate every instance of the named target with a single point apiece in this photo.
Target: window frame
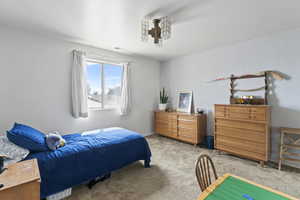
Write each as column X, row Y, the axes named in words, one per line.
column 101, row 63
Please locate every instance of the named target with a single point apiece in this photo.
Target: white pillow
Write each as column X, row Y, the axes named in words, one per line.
column 11, row 150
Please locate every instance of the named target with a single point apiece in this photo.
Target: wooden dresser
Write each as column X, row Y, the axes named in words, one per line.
column 243, row 130
column 189, row 128
column 21, row 181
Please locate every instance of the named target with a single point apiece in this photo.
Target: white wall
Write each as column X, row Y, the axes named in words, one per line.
column 35, row 82
column 280, row 52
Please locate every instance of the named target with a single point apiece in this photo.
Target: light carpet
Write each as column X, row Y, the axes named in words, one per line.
column 172, row 175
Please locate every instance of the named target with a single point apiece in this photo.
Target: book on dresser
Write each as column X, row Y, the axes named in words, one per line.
column 185, row 127
column 243, row 130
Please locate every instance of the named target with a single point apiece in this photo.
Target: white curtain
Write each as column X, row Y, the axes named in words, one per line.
column 125, row 91
column 79, row 85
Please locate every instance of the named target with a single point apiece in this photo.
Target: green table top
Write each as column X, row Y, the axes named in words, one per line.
column 235, row 189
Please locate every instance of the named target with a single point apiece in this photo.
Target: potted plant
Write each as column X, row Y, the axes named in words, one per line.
column 163, row 100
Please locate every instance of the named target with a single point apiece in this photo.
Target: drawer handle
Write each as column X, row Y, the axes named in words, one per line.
column 185, row 128
column 186, row 120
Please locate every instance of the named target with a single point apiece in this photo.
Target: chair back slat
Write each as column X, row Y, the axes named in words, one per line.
column 204, row 170
column 207, row 164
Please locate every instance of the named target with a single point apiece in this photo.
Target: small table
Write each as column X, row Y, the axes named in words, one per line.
column 236, row 188
column 21, row 181
column 293, row 143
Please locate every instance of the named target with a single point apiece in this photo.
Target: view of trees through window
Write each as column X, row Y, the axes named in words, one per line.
column 104, row 85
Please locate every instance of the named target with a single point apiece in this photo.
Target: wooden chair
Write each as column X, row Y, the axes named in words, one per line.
column 289, row 140
column 204, row 170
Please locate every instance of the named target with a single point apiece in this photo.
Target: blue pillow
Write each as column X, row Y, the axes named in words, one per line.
column 28, row 138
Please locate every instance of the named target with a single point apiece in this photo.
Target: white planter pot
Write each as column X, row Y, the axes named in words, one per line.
column 162, row 106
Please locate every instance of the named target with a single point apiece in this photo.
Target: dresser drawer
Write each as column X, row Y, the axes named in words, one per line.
column 241, row 152
column 172, row 117
column 258, row 116
column 173, row 131
column 187, row 118
column 242, row 144
column 161, row 116
column 241, row 113
column 219, row 111
column 161, row 127
column 243, row 134
column 238, row 109
column 172, row 124
column 166, row 130
column 187, row 124
column 242, row 125
column 239, row 116
column 189, row 135
column 259, row 110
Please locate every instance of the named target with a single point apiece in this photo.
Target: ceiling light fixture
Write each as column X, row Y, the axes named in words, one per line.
column 159, row 31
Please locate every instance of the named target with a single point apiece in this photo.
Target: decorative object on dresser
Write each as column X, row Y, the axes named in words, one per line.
column 163, row 100
column 289, row 140
column 21, row 181
column 189, row 128
column 243, row 130
column 185, row 99
column 200, row 110
column 258, row 101
column 275, row 74
column 253, row 100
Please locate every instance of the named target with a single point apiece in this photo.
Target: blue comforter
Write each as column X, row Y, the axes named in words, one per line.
column 87, row 156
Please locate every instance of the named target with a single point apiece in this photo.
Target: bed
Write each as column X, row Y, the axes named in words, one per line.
column 89, row 155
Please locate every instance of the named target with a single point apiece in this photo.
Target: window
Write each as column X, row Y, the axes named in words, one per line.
column 104, row 85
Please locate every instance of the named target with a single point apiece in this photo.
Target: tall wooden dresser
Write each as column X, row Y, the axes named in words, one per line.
column 189, row 128
column 243, row 130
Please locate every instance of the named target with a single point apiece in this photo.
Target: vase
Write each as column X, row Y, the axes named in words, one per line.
column 162, row 106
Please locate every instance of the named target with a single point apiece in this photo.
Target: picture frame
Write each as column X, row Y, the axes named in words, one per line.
column 184, row 103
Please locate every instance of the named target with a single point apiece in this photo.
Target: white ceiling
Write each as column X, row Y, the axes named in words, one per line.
column 197, row 24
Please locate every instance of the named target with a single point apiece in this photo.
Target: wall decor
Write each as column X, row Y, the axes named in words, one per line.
column 185, row 98
column 245, row 99
column 275, row 74
column 253, row 100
